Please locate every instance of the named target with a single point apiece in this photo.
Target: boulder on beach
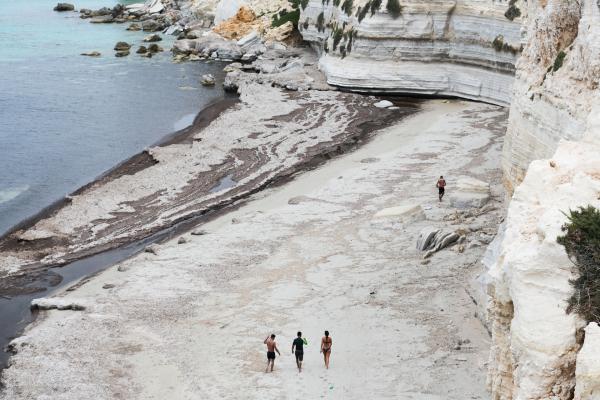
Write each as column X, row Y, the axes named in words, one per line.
column 122, row 53
column 434, row 239
column 134, row 27
column 469, row 193
column 153, row 38
column 122, row 46
column 207, row 80
column 142, row 50
column 383, row 104
column 64, row 7
column 92, row 54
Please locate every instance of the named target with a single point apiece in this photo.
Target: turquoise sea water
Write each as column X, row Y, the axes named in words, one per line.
column 66, row 118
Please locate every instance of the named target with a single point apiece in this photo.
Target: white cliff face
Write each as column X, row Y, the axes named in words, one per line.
column 588, row 365
column 535, row 343
column 443, row 47
column 551, row 105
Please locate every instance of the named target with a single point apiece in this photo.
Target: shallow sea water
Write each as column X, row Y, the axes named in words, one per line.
column 66, row 118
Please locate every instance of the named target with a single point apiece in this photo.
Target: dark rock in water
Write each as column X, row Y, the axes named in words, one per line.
column 120, row 46
column 151, row 26
column 134, row 27
column 207, row 80
column 117, row 10
column 147, row 55
column 105, row 19
column 122, row 53
column 142, row 50
column 85, row 11
column 153, row 38
column 154, row 48
column 64, row 7
column 91, row 54
column 119, row 20
column 101, row 12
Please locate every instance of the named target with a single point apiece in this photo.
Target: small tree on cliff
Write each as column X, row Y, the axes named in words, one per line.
column 394, row 8
column 581, row 241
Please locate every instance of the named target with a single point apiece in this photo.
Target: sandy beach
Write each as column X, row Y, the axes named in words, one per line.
column 187, row 320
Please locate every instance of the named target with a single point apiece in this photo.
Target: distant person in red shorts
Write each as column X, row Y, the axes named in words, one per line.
column 441, row 185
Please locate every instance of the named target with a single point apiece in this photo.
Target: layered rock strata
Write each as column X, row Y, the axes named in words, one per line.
column 557, row 82
column 463, row 48
column 535, row 342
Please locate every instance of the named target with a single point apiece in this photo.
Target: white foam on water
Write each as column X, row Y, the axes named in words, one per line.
column 12, row 193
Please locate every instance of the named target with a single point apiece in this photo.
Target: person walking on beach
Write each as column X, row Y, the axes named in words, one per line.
column 441, row 185
column 326, row 348
column 298, row 350
column 271, row 349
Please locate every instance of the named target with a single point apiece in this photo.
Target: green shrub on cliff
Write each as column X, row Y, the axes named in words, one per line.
column 513, row 11
column 581, row 241
column 361, row 13
column 558, row 62
column 347, row 7
column 375, row 5
column 321, row 22
column 394, row 8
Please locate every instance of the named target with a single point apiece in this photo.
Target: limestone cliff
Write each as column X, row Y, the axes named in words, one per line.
column 465, row 48
column 556, row 82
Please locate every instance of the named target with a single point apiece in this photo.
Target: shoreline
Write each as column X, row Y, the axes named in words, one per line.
column 367, row 129
column 301, row 212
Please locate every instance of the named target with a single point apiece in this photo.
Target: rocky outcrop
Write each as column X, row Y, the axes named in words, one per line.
column 463, row 48
column 535, row 342
column 557, row 82
column 587, row 373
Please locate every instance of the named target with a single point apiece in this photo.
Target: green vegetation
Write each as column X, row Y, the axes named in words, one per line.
column 581, row 241
column 500, row 45
column 321, row 22
column 558, row 62
column 337, row 37
column 336, row 2
column 394, row 8
column 513, row 11
column 375, row 5
column 294, row 16
column 347, row 7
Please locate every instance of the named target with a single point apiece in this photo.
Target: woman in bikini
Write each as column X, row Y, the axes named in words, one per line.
column 326, row 348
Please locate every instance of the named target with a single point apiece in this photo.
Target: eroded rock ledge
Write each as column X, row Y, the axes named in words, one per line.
column 459, row 48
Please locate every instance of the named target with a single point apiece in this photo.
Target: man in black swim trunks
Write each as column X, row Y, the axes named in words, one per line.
column 441, row 185
column 298, row 344
column 271, row 349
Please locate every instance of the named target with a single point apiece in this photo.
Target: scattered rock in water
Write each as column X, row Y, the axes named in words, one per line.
column 108, row 286
column 153, row 38
column 435, row 239
column 404, row 213
column 199, row 232
column 122, row 46
column 64, row 7
column 154, row 48
column 207, row 80
column 92, row 54
column 134, row 27
column 56, row 303
column 142, row 50
column 85, row 13
column 122, row 53
column 147, row 55
column 105, row 19
column 151, row 25
column 383, row 104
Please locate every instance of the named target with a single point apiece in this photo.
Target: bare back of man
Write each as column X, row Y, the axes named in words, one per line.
column 271, row 349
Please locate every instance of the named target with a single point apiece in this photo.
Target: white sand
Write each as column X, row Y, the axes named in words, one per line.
column 188, row 323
